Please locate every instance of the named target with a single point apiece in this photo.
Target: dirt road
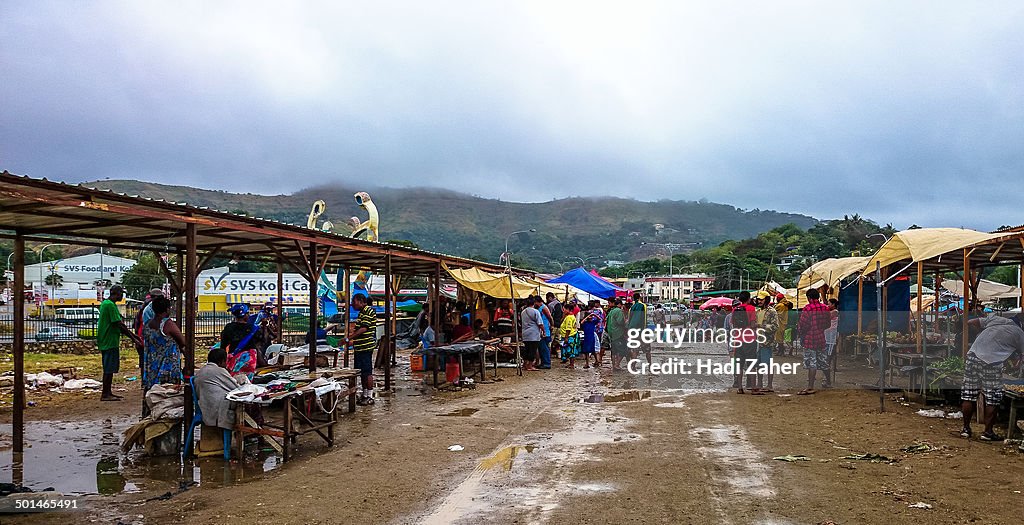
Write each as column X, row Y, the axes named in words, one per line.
column 590, row 446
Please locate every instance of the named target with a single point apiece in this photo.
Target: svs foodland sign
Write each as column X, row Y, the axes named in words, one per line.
column 250, row 283
column 84, row 268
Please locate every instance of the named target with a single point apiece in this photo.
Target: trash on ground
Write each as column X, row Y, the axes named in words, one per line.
column 79, row 384
column 792, row 458
column 456, row 448
column 937, row 412
column 918, row 447
column 874, row 458
column 919, row 505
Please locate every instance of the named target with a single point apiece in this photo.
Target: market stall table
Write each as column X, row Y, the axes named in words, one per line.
column 297, row 412
column 1016, row 399
column 459, row 350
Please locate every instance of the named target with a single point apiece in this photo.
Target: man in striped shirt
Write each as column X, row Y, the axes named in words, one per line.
column 364, row 341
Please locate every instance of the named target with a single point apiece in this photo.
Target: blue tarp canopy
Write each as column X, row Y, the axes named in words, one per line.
column 582, row 279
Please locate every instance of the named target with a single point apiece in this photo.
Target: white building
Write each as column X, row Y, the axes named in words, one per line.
column 84, row 269
column 678, row 287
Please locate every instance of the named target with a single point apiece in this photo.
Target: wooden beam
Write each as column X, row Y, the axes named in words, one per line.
column 175, row 280
column 191, row 273
column 965, row 296
column 207, row 258
column 280, row 309
column 314, row 318
column 282, row 257
column 305, row 258
column 18, row 347
column 388, row 345
column 323, row 263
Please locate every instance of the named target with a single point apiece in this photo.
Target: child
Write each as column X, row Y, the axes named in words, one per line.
column 569, row 333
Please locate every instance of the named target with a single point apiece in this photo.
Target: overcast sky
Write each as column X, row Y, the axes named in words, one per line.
column 901, row 111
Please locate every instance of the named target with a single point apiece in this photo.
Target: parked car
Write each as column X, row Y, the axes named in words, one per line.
column 55, row 333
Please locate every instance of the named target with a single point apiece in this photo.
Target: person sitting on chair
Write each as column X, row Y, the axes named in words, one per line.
column 213, row 382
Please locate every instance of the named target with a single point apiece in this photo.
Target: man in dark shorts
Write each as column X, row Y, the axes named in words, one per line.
column 364, row 341
column 1000, row 340
column 108, row 340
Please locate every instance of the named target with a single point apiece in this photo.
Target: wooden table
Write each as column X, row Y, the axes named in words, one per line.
column 283, row 436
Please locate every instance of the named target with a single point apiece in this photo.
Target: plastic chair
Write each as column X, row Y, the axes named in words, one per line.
column 196, row 420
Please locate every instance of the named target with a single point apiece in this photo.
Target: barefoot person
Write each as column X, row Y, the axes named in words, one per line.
column 588, row 325
column 636, row 319
column 768, row 322
column 814, row 320
column 569, row 335
column 364, row 341
column 108, row 339
column 1000, row 340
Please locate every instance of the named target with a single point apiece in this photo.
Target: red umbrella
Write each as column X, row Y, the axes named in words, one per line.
column 716, row 301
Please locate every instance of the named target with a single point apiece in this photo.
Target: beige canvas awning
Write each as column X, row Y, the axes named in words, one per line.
column 923, row 244
column 987, row 290
column 830, row 272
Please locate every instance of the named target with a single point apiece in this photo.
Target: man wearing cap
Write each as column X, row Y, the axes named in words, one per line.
column 782, row 309
column 109, row 329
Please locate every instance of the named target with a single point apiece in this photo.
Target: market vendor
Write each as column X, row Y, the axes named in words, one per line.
column 1000, row 339
column 238, row 341
column 213, row 382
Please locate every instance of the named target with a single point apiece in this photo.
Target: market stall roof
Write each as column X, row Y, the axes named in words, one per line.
column 493, row 284
column 987, row 290
column 584, row 280
column 942, row 249
column 47, row 211
column 830, row 272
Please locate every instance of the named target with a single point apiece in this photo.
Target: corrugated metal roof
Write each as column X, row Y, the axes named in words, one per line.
column 46, row 210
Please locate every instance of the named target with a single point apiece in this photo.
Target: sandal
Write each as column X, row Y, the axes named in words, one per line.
column 806, row 392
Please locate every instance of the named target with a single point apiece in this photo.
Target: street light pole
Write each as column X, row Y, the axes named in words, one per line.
column 509, row 237
column 42, row 282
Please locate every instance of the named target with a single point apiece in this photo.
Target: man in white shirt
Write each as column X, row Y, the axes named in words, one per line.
column 1000, row 339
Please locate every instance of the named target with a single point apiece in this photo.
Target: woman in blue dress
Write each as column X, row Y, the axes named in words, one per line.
column 591, row 320
column 164, row 345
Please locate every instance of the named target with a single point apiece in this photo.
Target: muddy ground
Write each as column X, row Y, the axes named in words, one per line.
column 678, row 449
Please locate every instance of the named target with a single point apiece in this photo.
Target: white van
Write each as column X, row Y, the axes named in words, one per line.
column 78, row 314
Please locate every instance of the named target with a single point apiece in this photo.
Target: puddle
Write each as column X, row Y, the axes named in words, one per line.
column 618, row 397
column 84, row 458
column 739, row 465
column 506, row 481
column 505, row 457
column 462, row 412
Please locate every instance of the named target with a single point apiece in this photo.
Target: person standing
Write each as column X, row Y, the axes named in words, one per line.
column 364, row 341
column 545, row 340
column 557, row 314
column 164, row 347
column 590, row 341
column 768, row 323
column 743, row 322
column 637, row 320
column 109, row 328
column 532, row 329
column 616, row 330
column 814, row 320
column 782, row 312
column 570, row 337
column 1000, row 340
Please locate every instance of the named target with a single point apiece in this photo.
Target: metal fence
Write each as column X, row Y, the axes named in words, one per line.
column 58, row 325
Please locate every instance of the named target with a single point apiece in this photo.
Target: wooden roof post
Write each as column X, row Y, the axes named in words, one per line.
column 280, row 310
column 191, row 274
column 389, row 344
column 965, row 297
column 18, row 349
column 314, row 317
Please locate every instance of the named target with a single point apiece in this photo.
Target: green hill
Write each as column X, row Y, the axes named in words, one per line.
column 460, row 224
